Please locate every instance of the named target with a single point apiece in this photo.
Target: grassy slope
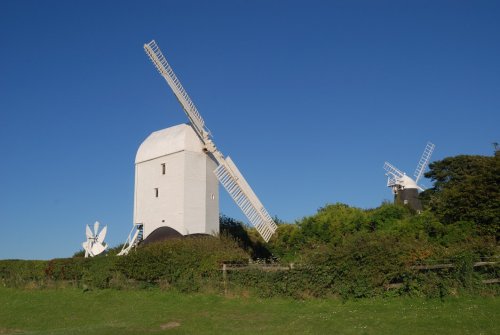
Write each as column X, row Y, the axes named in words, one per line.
column 70, row 311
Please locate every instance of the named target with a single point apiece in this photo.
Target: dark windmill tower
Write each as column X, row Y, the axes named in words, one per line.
column 406, row 189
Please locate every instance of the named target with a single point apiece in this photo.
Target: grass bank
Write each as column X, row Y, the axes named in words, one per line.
column 72, row 311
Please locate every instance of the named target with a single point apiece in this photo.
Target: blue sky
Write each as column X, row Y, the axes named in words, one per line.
column 309, row 98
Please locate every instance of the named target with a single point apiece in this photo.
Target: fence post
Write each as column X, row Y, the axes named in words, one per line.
column 224, row 277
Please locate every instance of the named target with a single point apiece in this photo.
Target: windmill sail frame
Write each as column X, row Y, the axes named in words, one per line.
column 424, row 161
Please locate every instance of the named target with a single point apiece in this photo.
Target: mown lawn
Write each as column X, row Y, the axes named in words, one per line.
column 72, row 311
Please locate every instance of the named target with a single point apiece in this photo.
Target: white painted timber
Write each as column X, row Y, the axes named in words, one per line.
column 174, row 183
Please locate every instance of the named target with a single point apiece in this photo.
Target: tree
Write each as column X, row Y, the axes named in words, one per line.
column 466, row 188
column 247, row 238
column 332, row 223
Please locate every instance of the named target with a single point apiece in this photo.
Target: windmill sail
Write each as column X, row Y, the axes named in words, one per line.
column 234, row 183
column 424, row 161
column 392, row 173
column 227, row 172
column 154, row 52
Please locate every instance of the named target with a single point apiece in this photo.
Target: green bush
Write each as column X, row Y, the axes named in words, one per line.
column 63, row 269
column 364, row 262
column 17, row 273
column 185, row 264
column 246, row 238
column 386, row 215
column 99, row 271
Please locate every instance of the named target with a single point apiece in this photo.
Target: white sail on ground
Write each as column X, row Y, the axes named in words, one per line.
column 94, row 245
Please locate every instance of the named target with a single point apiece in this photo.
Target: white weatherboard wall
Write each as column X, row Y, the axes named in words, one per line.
column 184, row 194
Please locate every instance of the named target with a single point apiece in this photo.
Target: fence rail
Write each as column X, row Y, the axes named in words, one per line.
column 448, row 265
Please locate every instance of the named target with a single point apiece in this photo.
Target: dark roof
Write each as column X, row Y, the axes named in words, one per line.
column 161, row 234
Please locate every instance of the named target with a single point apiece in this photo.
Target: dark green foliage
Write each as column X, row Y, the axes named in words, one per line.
column 466, row 188
column 93, row 272
column 17, row 272
column 247, row 239
column 362, row 265
column 287, row 242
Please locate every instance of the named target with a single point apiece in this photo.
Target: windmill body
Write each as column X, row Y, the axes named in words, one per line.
column 175, row 185
column 177, row 174
column 408, row 195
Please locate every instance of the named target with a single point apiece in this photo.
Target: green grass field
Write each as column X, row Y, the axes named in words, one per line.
column 72, row 311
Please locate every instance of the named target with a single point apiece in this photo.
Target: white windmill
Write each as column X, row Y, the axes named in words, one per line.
column 177, row 175
column 95, row 240
column 405, row 188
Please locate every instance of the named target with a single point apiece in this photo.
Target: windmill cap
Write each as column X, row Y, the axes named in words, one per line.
column 407, row 182
column 168, row 141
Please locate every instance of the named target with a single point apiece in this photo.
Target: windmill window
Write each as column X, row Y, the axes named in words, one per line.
column 212, row 196
column 163, row 168
column 156, row 193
